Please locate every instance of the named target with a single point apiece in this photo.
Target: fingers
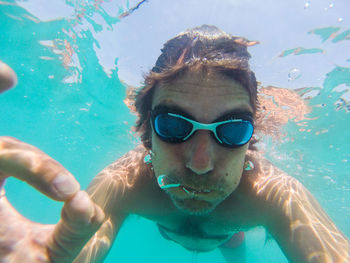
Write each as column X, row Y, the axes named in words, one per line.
column 31, row 165
column 8, row 77
column 81, row 218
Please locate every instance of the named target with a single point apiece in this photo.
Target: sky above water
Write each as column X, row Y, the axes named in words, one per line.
column 135, row 41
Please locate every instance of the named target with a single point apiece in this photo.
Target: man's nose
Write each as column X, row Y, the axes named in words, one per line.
column 200, row 158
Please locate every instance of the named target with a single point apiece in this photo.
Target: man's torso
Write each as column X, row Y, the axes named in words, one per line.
column 236, row 213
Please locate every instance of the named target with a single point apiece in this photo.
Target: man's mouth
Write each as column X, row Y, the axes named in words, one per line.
column 166, row 182
column 192, row 191
column 180, row 188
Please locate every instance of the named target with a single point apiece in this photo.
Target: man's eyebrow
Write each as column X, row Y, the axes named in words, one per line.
column 239, row 112
column 170, row 107
column 236, row 114
column 174, row 109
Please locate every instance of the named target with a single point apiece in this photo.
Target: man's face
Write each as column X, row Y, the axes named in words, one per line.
column 209, row 171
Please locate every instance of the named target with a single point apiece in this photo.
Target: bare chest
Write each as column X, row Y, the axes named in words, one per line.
column 200, row 233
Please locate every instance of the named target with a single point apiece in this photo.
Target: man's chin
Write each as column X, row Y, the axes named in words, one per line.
column 194, row 206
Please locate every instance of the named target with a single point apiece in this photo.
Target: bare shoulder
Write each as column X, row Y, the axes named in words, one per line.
column 116, row 185
column 280, row 195
column 264, row 181
column 293, row 216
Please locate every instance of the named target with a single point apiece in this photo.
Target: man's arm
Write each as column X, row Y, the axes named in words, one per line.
column 299, row 224
column 114, row 190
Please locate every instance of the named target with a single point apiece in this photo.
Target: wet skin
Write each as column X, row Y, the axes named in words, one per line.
column 200, row 163
column 237, row 199
column 202, row 221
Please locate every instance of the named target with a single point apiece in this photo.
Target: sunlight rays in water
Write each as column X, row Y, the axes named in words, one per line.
column 109, row 190
column 306, row 221
column 98, row 245
column 112, row 182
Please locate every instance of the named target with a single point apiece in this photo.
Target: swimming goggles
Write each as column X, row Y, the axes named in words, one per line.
column 233, row 131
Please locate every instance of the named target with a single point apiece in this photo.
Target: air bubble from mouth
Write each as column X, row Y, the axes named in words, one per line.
column 165, row 182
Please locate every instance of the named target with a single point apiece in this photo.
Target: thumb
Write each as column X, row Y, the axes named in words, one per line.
column 81, row 218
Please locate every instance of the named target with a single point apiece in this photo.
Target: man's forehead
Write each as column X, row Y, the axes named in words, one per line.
column 202, row 82
column 238, row 105
column 206, row 99
column 202, row 89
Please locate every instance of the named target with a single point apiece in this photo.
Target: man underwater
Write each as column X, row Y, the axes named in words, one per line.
column 197, row 174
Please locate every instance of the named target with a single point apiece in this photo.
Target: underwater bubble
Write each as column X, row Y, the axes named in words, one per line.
column 331, row 5
column 294, row 74
column 165, row 182
column 340, row 19
column 306, row 5
column 322, row 105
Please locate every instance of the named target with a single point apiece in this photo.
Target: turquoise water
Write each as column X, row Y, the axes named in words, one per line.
column 74, row 58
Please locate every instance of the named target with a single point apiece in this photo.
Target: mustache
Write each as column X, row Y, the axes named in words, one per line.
column 192, row 180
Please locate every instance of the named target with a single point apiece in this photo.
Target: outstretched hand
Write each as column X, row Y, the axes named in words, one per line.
column 22, row 240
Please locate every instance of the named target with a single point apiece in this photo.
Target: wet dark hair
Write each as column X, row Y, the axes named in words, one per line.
column 204, row 48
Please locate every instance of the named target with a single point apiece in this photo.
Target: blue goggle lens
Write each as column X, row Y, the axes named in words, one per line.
column 172, row 129
column 235, row 133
